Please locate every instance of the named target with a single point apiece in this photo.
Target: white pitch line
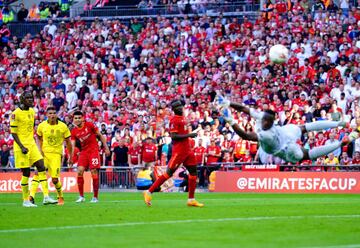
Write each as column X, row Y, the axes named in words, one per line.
column 335, row 246
column 259, row 218
column 311, row 200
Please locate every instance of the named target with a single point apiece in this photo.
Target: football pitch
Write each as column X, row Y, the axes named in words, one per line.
column 227, row 220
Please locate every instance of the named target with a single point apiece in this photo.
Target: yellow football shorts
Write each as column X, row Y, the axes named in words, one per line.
column 53, row 164
column 27, row 160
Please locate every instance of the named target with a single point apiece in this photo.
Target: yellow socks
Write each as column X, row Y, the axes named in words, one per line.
column 25, row 187
column 58, row 188
column 44, row 183
column 34, row 186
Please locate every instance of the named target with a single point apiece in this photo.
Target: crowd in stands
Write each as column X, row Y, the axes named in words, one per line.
column 123, row 77
column 182, row 6
column 43, row 11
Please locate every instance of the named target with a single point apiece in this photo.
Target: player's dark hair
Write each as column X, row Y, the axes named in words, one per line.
column 270, row 112
column 175, row 103
column 23, row 95
column 78, row 112
column 50, row 108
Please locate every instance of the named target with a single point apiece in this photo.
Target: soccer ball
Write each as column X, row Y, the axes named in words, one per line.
column 278, row 54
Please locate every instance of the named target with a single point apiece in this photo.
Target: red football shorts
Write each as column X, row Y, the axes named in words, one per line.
column 89, row 160
column 187, row 159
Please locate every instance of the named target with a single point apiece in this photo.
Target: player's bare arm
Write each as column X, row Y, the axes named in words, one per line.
column 69, row 146
column 24, row 150
column 176, row 136
column 244, row 135
column 71, row 154
column 103, row 141
column 40, row 141
column 239, row 107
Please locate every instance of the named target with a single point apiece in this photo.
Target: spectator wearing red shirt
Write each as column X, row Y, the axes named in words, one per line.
column 199, row 152
column 228, row 144
column 280, row 6
column 213, row 153
column 149, row 152
column 8, row 140
column 356, row 159
column 227, row 160
column 134, row 154
column 333, row 73
column 320, row 140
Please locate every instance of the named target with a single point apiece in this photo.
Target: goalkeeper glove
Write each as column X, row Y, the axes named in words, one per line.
column 222, row 101
column 353, row 135
column 228, row 116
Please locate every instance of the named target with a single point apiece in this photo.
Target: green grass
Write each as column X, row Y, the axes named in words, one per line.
column 294, row 221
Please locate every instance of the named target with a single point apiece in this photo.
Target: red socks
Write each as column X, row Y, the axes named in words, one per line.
column 192, row 186
column 95, row 178
column 159, row 182
column 80, row 181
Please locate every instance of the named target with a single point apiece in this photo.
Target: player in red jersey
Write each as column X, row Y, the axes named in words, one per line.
column 86, row 133
column 182, row 153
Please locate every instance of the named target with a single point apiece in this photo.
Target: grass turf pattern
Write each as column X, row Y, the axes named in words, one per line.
column 227, row 220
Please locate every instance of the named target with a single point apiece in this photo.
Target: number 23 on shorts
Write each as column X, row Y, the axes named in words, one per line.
column 94, row 161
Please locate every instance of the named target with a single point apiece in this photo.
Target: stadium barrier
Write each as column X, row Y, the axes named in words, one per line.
column 118, row 177
column 132, row 10
column 287, row 182
column 10, row 182
column 20, row 29
column 219, row 177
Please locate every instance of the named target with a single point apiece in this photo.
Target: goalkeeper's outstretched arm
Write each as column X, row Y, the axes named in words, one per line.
column 230, row 119
column 239, row 107
column 244, row 135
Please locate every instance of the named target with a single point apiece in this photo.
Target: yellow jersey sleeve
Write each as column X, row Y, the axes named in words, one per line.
column 22, row 123
column 66, row 131
column 14, row 122
column 39, row 130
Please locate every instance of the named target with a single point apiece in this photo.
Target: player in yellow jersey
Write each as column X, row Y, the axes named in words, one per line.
column 26, row 151
column 52, row 133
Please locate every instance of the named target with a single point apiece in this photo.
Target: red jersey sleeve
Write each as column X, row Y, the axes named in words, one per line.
column 73, row 134
column 174, row 126
column 93, row 127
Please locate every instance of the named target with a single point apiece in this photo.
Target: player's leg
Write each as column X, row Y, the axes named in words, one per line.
column 190, row 164
column 83, row 163
column 294, row 153
column 95, row 179
column 25, row 187
column 174, row 163
column 38, row 161
column 54, row 163
column 34, row 186
column 94, row 160
column 39, row 164
column 320, row 151
column 22, row 162
column 322, row 125
column 80, row 182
